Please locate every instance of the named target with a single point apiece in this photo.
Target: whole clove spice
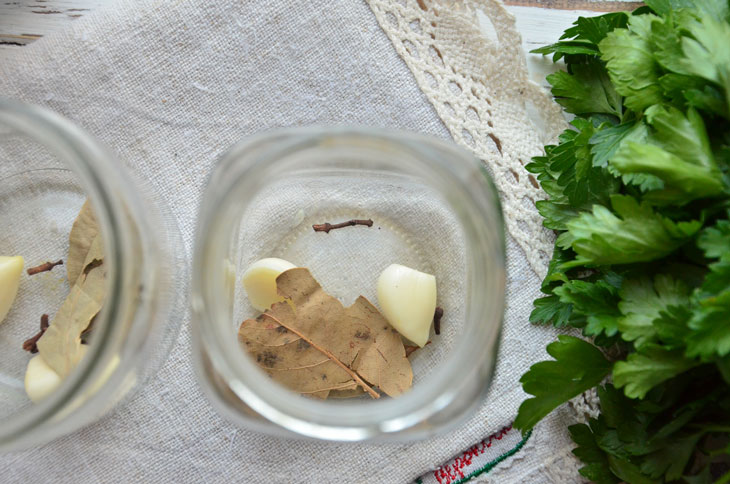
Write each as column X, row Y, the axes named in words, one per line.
column 30, row 343
column 45, row 267
column 410, row 348
column 326, row 227
column 437, row 315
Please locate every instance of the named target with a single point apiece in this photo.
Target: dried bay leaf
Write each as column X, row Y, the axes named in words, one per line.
column 355, row 392
column 60, row 345
column 381, row 364
column 290, row 360
column 83, row 232
column 312, row 335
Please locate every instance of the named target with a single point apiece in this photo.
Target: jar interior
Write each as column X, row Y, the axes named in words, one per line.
column 412, row 226
column 39, row 201
column 436, row 218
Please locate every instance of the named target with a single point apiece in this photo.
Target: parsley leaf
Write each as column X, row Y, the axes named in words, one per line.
column 672, row 458
column 710, row 322
column 635, row 233
column 633, row 69
column 643, row 371
column 586, row 90
column 567, row 47
column 678, row 153
column 627, row 471
column 594, row 29
column 597, row 300
column 671, row 326
column 586, row 33
column 639, row 195
column 682, row 181
column 717, row 8
column 569, row 177
column 642, row 301
column 597, row 468
column 681, row 135
column 663, row 7
column 715, row 240
column 550, row 309
column 706, row 54
column 606, row 141
column 578, row 366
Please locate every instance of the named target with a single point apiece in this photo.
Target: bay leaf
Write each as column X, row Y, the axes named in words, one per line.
column 60, row 345
column 83, row 232
column 290, row 360
column 358, row 340
column 355, row 392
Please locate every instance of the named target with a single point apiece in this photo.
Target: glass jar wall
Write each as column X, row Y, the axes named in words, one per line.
column 48, row 168
column 433, row 209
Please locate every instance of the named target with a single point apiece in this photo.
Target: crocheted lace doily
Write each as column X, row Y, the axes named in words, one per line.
column 479, row 85
column 467, row 59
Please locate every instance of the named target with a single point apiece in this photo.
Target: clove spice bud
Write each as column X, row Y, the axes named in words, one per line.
column 45, row 267
column 410, row 348
column 326, row 227
column 437, row 315
column 31, row 343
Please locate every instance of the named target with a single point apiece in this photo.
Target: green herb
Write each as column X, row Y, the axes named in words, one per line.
column 639, row 195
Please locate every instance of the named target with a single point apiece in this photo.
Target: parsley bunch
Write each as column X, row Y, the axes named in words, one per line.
column 639, row 195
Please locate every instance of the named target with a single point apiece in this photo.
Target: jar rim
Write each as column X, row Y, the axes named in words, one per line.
column 359, row 420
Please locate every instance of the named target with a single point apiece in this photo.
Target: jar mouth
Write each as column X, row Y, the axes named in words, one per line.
column 83, row 157
column 449, row 391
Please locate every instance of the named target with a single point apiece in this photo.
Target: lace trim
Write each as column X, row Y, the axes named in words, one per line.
column 480, row 89
column 479, row 86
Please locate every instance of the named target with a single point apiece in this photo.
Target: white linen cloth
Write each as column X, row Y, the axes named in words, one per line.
column 169, row 86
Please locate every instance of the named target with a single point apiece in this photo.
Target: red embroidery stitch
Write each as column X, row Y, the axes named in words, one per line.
column 449, row 473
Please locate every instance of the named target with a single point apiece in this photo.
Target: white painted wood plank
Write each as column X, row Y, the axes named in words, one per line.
column 539, row 27
column 22, row 21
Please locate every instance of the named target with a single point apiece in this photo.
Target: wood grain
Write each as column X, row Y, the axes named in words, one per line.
column 592, row 6
column 23, row 21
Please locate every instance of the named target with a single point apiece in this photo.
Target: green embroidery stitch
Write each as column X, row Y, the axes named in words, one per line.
column 492, row 464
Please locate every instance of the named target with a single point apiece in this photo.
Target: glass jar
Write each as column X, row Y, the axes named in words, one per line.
column 48, row 167
column 433, row 208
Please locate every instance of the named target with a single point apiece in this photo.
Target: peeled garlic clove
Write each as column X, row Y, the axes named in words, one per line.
column 259, row 281
column 40, row 379
column 10, row 270
column 408, row 300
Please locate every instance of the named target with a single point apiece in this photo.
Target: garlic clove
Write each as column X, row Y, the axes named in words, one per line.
column 40, row 379
column 407, row 298
column 10, row 270
column 259, row 281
